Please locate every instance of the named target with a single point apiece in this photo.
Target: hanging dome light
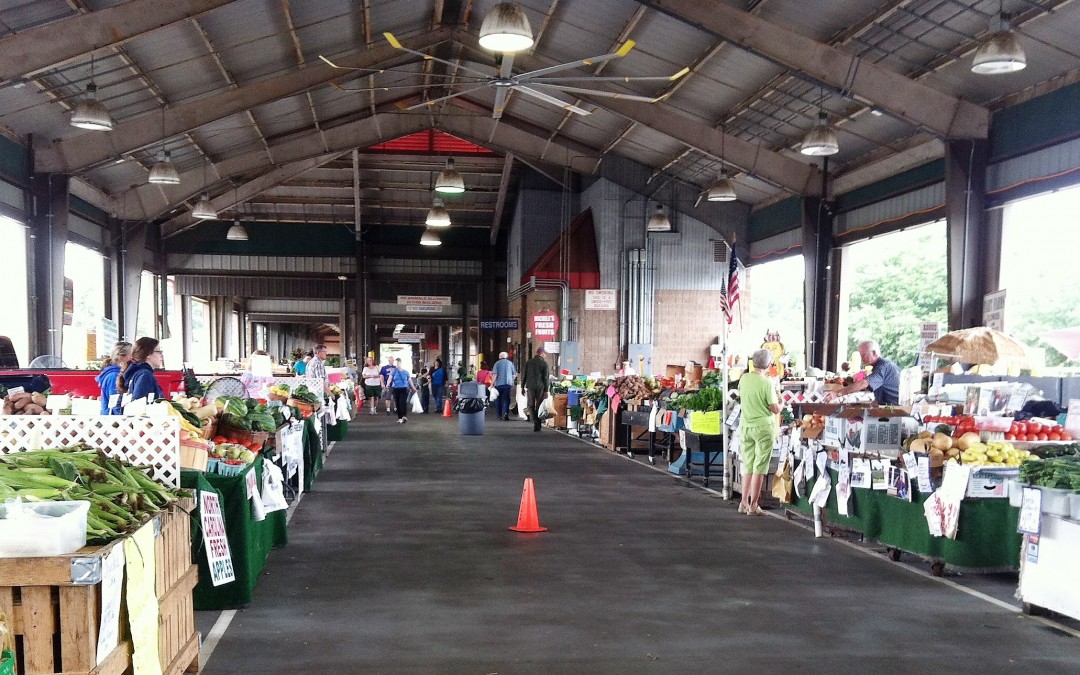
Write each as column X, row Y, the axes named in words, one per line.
column 204, row 210
column 659, row 221
column 430, row 238
column 163, row 172
column 1001, row 53
column 506, row 29
column 449, row 180
column 821, row 140
column 237, row 232
column 91, row 113
column 722, row 190
column 437, row 215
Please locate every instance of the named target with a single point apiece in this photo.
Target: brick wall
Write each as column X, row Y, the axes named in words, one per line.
column 686, row 323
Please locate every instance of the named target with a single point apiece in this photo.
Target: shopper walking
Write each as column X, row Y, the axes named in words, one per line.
column 483, row 376
column 534, row 384
column 401, row 383
column 423, row 382
column 256, row 385
column 387, row 393
column 757, row 428
column 438, row 384
column 300, row 367
column 137, row 375
column 106, row 379
column 503, row 375
column 316, row 367
column 372, row 384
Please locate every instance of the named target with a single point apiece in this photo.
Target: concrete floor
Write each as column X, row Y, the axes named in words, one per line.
column 400, row 562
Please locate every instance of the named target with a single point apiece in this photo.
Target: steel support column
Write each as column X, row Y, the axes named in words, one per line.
column 133, row 248
column 185, row 319
column 965, row 213
column 49, row 235
column 817, row 246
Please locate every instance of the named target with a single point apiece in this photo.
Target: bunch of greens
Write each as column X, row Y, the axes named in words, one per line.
column 711, row 378
column 246, row 414
column 302, row 393
column 703, row 400
column 1062, row 473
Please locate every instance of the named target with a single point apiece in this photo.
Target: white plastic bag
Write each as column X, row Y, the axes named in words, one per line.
column 273, row 491
column 522, row 404
column 493, row 394
column 545, row 409
column 343, row 408
column 417, row 408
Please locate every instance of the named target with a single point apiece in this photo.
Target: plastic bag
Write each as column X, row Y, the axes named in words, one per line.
column 493, row 394
column 343, row 408
column 273, row 488
column 522, row 404
column 545, row 409
column 417, row 407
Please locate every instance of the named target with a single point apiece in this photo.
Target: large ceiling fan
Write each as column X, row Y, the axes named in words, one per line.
column 536, row 83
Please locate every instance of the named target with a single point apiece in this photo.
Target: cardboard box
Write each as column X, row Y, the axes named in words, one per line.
column 865, row 429
column 991, row 482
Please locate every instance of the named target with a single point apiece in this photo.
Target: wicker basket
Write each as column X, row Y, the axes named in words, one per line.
column 303, row 406
column 210, row 430
column 193, row 458
column 243, row 436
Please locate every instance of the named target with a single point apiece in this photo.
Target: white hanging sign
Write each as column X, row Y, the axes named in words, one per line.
column 218, row 555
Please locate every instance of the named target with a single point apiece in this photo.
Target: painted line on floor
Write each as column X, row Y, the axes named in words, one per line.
column 210, row 642
column 862, row 549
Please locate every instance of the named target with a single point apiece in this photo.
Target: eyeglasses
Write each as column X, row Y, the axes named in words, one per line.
column 157, row 351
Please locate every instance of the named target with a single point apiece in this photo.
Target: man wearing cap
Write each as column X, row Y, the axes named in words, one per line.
column 503, row 373
column 534, row 383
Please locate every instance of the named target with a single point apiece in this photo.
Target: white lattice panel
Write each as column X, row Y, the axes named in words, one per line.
column 791, row 397
column 142, row 441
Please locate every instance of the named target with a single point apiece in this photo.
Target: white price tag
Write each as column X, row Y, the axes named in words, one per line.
column 1030, row 511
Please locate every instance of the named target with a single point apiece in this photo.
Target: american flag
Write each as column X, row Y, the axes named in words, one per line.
column 732, row 295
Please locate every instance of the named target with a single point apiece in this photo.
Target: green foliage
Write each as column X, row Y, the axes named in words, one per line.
column 704, row 400
column 891, row 297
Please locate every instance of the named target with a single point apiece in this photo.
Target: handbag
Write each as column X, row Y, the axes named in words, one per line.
column 783, row 486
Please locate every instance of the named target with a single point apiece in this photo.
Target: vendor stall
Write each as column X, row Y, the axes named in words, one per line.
column 250, row 540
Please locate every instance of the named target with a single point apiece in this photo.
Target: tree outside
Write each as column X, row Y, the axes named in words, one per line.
column 898, row 282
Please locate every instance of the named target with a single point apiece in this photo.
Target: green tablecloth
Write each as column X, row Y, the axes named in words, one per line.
column 986, row 536
column 313, row 456
column 337, row 432
column 250, row 541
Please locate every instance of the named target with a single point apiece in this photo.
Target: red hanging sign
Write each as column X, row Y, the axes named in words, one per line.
column 545, row 325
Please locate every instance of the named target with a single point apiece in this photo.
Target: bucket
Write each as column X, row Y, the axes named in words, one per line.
column 1055, row 501
column 1074, row 506
column 573, row 397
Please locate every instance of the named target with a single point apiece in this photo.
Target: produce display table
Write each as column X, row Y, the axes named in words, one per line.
column 250, row 541
column 313, row 454
column 986, row 537
column 337, row 432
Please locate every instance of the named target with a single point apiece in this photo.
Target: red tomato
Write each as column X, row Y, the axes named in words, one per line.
column 1021, row 428
column 1042, row 437
column 1014, row 428
column 1054, row 436
column 1035, row 428
column 1066, row 436
column 1010, row 437
column 220, row 439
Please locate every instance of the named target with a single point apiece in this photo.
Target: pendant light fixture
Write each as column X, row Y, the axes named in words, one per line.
column 659, row 221
column 437, row 215
column 722, row 190
column 163, row 172
column 90, row 113
column 506, row 29
column 237, row 231
column 449, row 180
column 820, row 141
column 204, row 210
column 1002, row 51
column 430, row 238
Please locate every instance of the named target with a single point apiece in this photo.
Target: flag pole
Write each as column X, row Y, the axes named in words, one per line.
column 726, row 489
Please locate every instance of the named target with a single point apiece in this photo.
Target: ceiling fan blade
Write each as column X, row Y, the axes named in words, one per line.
column 500, row 102
column 427, row 57
column 552, row 100
column 598, row 92
column 431, row 102
column 592, row 60
column 631, row 78
column 347, row 89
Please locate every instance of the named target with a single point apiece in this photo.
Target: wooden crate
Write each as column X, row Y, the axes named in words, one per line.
column 56, row 622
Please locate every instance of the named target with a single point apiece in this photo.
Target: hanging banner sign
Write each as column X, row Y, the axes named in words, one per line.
column 424, row 309
column 440, row 300
column 601, row 298
column 498, row 324
column 545, row 325
column 416, row 337
column 218, row 555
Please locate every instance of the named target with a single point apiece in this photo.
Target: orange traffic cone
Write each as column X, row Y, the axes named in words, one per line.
column 447, row 411
column 528, row 520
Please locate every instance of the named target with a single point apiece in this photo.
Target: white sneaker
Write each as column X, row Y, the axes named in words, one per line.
column 404, row 419
column 400, row 421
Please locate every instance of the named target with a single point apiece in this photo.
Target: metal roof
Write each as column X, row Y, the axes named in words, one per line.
column 247, row 100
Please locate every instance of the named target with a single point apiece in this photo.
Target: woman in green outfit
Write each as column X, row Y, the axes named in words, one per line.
column 757, row 428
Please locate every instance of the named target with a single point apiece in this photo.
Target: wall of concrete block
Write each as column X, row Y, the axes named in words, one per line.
column 687, row 322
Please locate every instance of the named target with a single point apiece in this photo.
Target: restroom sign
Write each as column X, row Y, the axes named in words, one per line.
column 545, row 325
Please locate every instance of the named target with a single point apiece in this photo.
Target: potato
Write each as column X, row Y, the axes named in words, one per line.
column 38, row 398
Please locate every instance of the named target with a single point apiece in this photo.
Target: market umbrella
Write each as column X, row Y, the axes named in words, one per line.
column 1065, row 340
column 980, row 345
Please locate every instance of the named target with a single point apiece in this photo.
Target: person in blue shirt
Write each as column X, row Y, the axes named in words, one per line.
column 504, row 374
column 387, row 389
column 883, row 380
column 137, row 377
column 402, row 383
column 300, row 367
column 106, row 379
column 438, row 383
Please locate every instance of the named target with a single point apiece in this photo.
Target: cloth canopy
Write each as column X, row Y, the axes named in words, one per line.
column 980, row 345
column 1065, row 340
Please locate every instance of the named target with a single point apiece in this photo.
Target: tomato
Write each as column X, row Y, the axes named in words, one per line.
column 1054, row 436
column 1010, row 436
column 1066, row 436
column 1042, row 437
column 220, row 439
column 1021, row 428
column 1035, row 428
